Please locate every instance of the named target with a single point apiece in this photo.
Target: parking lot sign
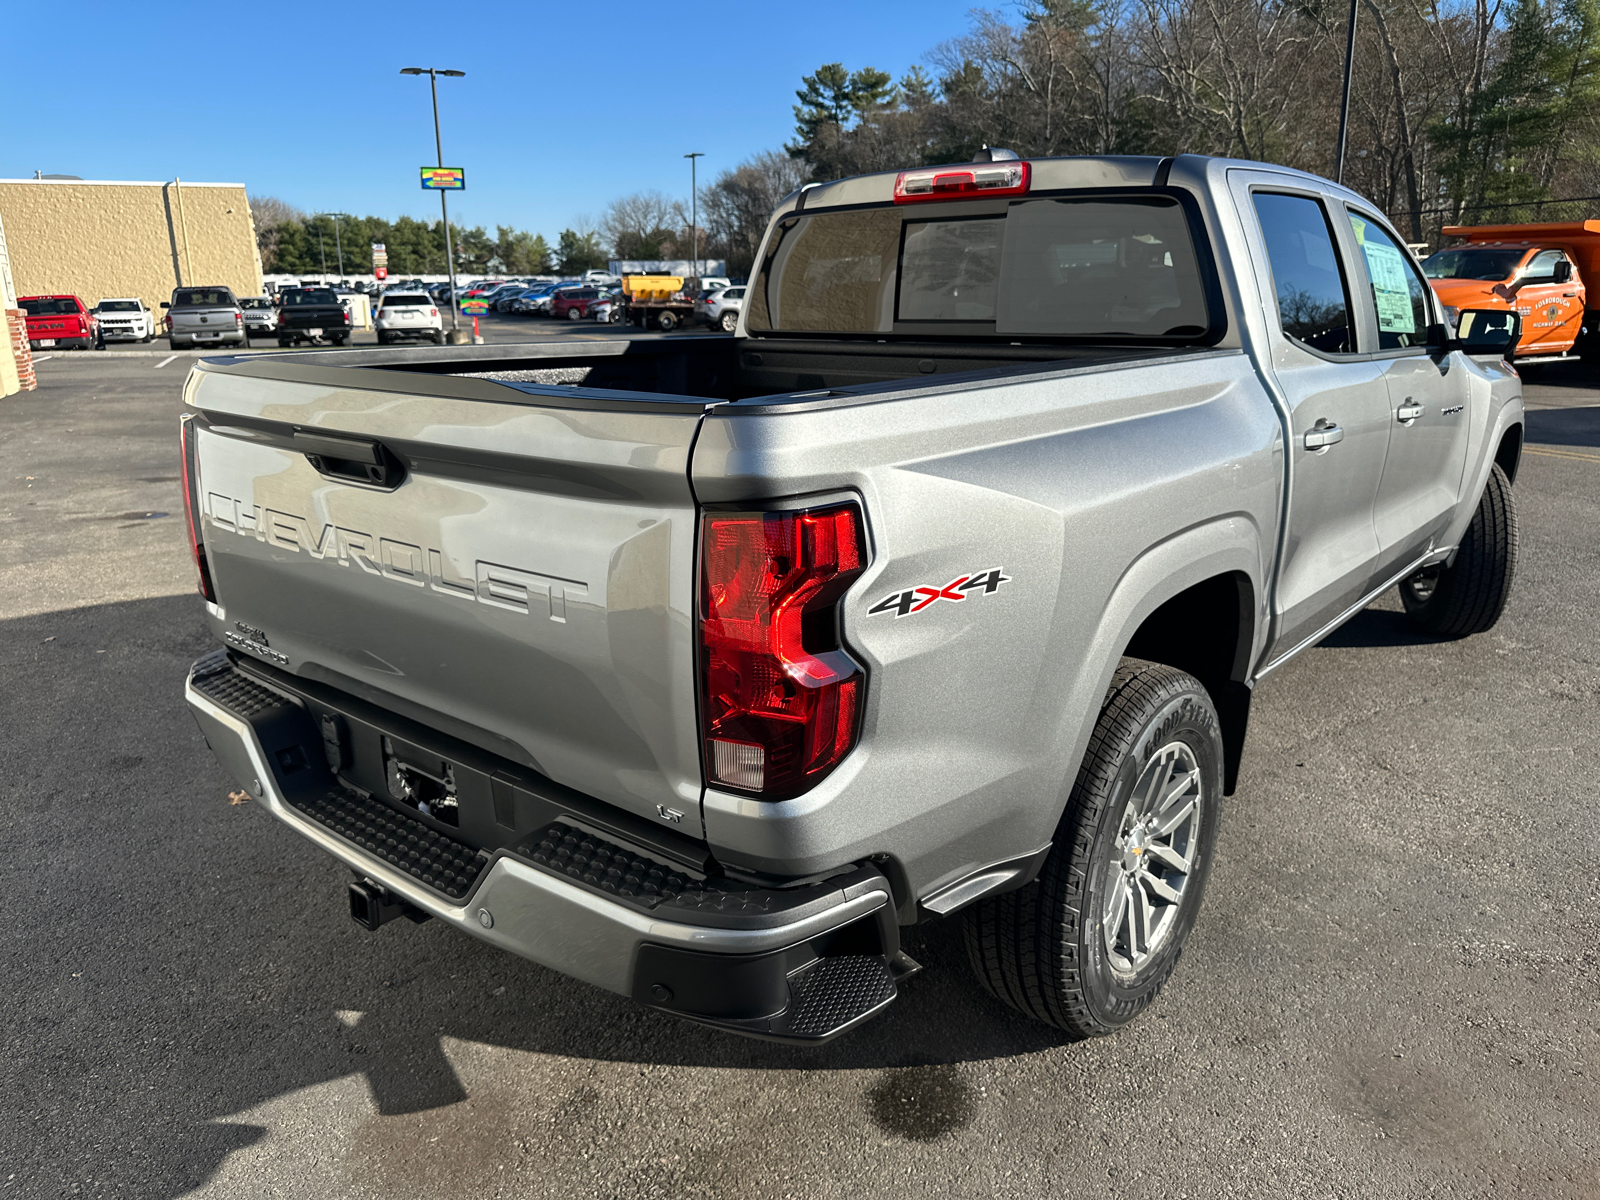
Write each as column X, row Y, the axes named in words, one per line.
column 444, row 179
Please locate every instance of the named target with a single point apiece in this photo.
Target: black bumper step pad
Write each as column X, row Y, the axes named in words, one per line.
column 441, row 863
column 646, row 883
column 836, row 993
column 216, row 679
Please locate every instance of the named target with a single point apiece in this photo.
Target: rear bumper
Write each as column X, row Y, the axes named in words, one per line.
column 798, row 965
column 416, row 331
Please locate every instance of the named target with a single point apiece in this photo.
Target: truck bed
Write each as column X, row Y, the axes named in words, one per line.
column 709, row 368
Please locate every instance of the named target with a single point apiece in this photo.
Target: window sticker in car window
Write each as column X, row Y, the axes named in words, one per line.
column 1390, row 291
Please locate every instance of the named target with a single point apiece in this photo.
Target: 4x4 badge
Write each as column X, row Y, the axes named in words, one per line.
column 916, row 599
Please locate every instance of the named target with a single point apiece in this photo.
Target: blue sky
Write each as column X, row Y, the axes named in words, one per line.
column 564, row 107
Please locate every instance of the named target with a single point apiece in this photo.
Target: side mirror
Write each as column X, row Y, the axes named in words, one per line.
column 165, row 304
column 1562, row 272
column 1437, row 339
column 1484, row 331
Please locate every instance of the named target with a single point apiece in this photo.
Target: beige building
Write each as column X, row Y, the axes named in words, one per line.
column 94, row 239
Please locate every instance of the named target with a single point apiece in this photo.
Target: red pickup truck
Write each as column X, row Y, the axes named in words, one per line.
column 63, row 321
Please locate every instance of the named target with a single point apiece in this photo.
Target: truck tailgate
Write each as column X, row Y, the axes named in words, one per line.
column 527, row 585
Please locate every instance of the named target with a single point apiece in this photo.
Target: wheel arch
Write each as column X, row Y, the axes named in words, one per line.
column 1508, row 454
column 1194, row 602
column 1207, row 630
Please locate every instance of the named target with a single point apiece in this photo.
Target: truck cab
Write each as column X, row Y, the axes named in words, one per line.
column 60, row 321
column 1540, row 271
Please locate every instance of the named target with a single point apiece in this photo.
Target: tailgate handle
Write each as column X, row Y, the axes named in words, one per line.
column 350, row 458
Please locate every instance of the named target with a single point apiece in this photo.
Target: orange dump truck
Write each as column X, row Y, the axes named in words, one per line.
column 1539, row 270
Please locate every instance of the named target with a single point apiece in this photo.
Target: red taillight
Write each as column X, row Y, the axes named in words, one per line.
column 780, row 695
column 191, row 514
column 238, row 318
column 955, row 183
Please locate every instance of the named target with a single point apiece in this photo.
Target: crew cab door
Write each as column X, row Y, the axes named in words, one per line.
column 1552, row 310
column 1428, row 398
column 1338, row 404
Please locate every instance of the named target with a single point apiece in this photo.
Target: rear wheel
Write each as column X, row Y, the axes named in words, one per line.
column 668, row 321
column 1088, row 945
column 1469, row 595
column 573, row 314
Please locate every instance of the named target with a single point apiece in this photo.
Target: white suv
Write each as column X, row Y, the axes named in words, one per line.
column 125, row 320
column 404, row 315
column 721, row 308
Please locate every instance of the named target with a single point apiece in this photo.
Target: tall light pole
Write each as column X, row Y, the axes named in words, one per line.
column 1344, row 103
column 338, row 245
column 694, row 212
column 433, row 74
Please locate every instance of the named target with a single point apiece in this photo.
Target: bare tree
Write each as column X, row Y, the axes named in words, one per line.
column 270, row 214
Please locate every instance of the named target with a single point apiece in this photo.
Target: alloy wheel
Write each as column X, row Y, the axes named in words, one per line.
column 1147, row 870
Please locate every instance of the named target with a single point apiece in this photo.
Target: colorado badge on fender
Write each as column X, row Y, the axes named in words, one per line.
column 914, row 600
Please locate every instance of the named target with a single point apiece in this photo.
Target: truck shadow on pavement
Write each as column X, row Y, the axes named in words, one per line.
column 1578, row 426
column 174, row 958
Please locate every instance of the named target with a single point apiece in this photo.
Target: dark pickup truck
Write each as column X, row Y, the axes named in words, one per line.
column 312, row 315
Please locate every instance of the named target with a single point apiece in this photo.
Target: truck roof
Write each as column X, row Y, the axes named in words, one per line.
column 1580, row 239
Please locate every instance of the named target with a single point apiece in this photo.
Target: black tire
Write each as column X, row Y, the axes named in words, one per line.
column 284, row 343
column 667, row 321
column 574, row 313
column 1043, row 949
column 729, row 321
column 1469, row 595
column 341, row 341
column 383, row 339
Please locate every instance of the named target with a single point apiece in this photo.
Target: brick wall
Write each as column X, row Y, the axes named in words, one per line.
column 95, row 240
column 17, row 337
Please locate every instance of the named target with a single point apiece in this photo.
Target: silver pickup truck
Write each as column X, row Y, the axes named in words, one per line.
column 201, row 316
column 698, row 667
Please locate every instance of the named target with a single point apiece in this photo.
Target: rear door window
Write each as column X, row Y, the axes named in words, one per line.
column 1313, row 300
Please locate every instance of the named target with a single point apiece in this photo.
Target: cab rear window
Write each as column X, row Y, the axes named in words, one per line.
column 202, row 298
column 49, row 306
column 1093, row 267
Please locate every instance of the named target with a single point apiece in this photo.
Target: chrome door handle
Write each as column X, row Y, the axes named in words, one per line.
column 1323, row 434
column 1408, row 412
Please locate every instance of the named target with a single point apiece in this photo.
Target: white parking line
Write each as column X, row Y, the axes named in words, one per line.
column 165, row 361
column 38, row 358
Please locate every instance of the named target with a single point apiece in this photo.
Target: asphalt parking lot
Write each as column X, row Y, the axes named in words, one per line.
column 1393, row 991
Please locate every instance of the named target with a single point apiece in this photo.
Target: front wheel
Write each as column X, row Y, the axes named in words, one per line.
column 1469, row 595
column 1088, row 945
column 729, row 322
